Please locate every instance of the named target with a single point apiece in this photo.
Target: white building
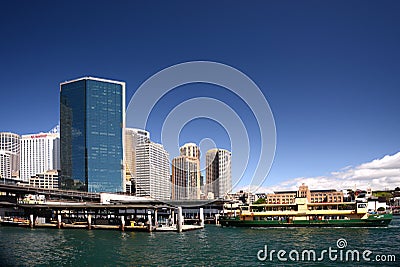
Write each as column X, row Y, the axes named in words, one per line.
column 249, row 197
column 133, row 138
column 39, row 153
column 5, row 164
column 152, row 171
column 218, row 172
column 10, row 145
column 47, row 179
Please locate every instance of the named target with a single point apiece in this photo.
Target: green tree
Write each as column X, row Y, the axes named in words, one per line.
column 260, row 201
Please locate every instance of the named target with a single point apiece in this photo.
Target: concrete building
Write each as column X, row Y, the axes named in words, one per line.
column 92, row 133
column 39, row 153
column 218, row 172
column 313, row 196
column 242, row 196
column 190, row 150
column 186, row 178
column 133, row 138
column 10, row 145
column 47, row 179
column 152, row 171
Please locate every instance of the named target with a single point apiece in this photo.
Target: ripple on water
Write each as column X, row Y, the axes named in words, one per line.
column 212, row 246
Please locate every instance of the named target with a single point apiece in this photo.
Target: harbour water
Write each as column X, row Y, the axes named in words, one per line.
column 211, row 246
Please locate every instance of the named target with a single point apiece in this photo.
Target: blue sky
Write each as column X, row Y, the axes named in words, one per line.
column 330, row 70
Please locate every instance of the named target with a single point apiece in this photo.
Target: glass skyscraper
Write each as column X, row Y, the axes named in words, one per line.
column 92, row 128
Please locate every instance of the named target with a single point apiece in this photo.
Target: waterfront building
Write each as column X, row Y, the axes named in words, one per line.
column 39, row 153
column 242, row 196
column 92, row 133
column 152, row 178
column 9, row 144
column 218, row 172
column 47, row 179
column 186, row 178
column 312, row 196
column 133, row 137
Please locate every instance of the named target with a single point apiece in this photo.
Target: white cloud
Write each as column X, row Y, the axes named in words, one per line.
column 379, row 174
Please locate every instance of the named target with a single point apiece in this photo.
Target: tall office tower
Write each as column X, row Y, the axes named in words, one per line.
column 39, row 153
column 133, row 137
column 152, row 171
column 218, row 172
column 9, row 144
column 186, row 173
column 92, row 133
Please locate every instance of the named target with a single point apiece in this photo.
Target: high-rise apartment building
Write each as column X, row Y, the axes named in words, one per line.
column 218, row 172
column 190, row 150
column 10, row 147
column 152, row 177
column 39, row 153
column 186, row 173
column 185, row 178
column 92, row 133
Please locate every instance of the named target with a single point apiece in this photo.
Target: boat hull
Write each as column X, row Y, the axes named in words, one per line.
column 10, row 223
column 382, row 220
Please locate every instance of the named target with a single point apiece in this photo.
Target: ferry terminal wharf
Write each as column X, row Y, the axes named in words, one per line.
column 125, row 217
column 125, row 213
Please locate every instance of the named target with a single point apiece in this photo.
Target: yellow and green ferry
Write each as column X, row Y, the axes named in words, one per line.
column 300, row 211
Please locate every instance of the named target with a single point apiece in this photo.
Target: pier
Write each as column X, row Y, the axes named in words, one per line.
column 67, row 210
column 143, row 217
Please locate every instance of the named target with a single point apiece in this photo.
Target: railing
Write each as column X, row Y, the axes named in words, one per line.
column 44, row 191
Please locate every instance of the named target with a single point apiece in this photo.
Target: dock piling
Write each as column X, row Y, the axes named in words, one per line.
column 89, row 221
column 31, row 221
column 201, row 217
column 122, row 223
column 180, row 220
column 216, row 219
column 149, row 220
